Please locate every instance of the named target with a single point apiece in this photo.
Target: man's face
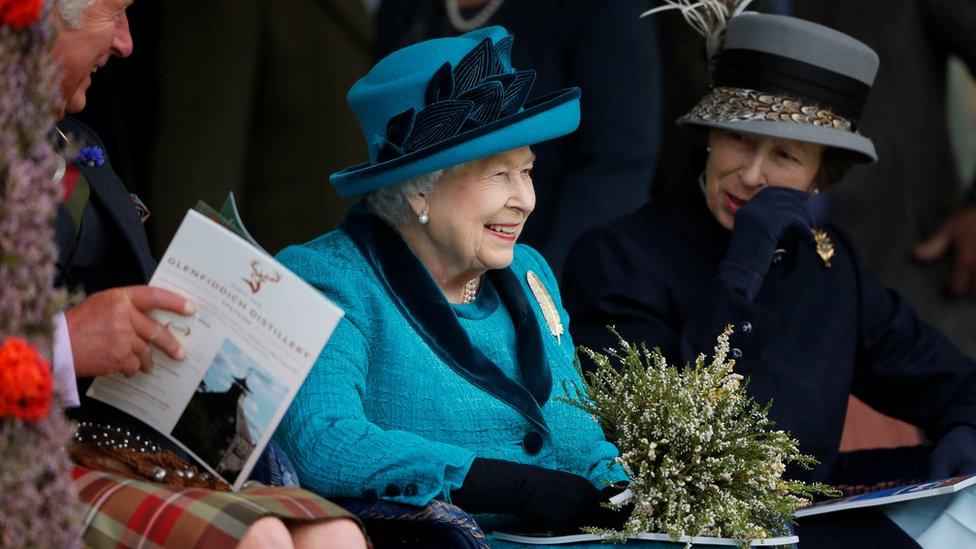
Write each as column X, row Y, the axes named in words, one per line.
column 81, row 51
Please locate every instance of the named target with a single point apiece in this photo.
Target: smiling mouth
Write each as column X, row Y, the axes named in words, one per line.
column 733, row 203
column 503, row 231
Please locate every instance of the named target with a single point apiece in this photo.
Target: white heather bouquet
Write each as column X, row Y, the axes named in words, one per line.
column 703, row 457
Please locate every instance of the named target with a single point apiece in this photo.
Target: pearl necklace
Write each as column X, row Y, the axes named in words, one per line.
column 461, row 24
column 470, row 290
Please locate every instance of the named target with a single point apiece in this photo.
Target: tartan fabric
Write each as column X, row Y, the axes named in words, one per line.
column 124, row 512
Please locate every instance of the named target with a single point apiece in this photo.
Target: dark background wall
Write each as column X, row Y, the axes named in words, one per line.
column 236, row 95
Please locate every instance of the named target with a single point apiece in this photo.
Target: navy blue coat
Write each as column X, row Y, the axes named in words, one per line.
column 813, row 335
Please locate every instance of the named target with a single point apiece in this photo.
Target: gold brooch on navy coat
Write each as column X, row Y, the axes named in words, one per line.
column 825, row 246
column 546, row 304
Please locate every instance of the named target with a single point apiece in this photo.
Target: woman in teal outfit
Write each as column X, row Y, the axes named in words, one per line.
column 442, row 380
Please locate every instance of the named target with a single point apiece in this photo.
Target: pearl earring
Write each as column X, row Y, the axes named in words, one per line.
column 423, row 218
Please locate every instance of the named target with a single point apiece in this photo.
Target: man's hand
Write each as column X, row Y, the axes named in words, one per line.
column 111, row 332
column 959, row 234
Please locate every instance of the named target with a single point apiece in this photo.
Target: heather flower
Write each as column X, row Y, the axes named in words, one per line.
column 703, row 457
column 38, row 506
column 29, row 91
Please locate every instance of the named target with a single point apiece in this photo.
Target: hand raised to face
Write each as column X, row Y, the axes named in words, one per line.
column 773, row 211
column 740, row 166
column 110, row 331
column 758, row 227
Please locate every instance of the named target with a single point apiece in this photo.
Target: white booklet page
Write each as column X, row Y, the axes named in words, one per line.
column 529, row 539
column 890, row 495
column 257, row 332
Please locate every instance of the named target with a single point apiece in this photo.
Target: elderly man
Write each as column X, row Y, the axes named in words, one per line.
column 104, row 251
column 109, row 331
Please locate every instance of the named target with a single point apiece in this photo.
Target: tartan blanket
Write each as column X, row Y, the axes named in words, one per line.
column 124, row 512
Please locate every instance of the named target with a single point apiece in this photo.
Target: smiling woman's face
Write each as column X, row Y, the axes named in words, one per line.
column 478, row 211
column 741, row 164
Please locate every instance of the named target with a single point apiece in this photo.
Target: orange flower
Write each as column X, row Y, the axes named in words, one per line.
column 18, row 14
column 26, row 383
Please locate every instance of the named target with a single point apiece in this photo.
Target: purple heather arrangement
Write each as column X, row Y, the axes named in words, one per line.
column 38, row 506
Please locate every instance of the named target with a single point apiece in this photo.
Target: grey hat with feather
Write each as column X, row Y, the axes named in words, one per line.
column 783, row 77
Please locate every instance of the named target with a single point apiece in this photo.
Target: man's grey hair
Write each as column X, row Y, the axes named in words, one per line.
column 73, row 11
column 391, row 203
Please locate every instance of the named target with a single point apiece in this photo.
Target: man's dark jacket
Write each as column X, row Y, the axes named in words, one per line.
column 111, row 249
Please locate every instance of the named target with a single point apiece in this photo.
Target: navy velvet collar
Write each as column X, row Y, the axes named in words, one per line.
column 422, row 303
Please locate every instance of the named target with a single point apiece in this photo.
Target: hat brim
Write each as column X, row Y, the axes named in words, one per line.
column 829, row 137
column 546, row 118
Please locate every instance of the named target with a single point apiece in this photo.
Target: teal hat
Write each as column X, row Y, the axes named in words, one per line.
column 446, row 101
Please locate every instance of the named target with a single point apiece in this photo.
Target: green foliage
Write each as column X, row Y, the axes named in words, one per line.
column 703, row 457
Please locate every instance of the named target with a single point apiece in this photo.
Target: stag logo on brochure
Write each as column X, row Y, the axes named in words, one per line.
column 259, row 277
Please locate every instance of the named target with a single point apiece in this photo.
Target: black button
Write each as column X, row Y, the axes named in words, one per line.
column 736, row 353
column 747, row 327
column 371, row 495
column 392, row 491
column 778, row 255
column 410, row 490
column 532, row 443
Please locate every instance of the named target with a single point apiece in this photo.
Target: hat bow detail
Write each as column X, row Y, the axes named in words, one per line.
column 480, row 90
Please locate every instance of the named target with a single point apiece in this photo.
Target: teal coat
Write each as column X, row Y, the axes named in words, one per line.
column 410, row 389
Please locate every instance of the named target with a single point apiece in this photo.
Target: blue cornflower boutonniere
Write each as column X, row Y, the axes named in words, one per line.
column 92, row 156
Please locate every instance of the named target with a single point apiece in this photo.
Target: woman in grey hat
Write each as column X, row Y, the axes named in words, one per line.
column 741, row 242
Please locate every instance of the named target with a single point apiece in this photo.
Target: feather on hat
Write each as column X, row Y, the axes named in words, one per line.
column 709, row 18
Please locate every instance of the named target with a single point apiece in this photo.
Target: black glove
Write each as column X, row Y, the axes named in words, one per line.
column 542, row 498
column 757, row 227
column 600, row 516
column 955, row 454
